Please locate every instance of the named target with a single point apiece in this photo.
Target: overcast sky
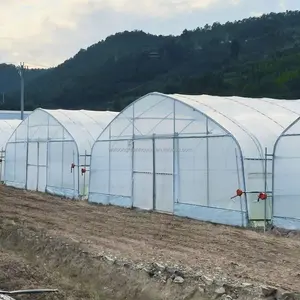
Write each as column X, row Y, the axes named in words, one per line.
column 47, row 32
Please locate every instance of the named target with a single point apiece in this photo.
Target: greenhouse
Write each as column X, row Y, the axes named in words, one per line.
column 188, row 155
column 50, row 151
column 286, row 187
column 7, row 127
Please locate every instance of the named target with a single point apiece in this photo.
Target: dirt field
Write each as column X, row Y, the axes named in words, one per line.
column 30, row 220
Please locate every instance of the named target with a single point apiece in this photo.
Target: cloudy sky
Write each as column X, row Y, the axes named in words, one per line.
column 46, row 32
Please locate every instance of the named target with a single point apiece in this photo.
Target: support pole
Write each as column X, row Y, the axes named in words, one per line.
column 265, row 189
column 84, row 181
column 154, row 172
column 1, row 164
column 239, row 183
column 21, row 68
column 207, row 164
column 73, row 173
column 109, row 165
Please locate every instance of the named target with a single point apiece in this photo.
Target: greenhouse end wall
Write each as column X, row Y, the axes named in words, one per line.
column 166, row 156
column 39, row 155
column 286, row 187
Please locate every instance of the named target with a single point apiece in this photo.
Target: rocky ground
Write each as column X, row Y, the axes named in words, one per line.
column 104, row 252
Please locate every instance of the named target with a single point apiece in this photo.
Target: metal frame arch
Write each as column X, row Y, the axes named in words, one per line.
column 107, row 126
column 75, row 142
column 51, row 116
column 60, row 123
column 252, row 137
column 85, row 129
column 9, row 140
column 254, row 109
column 274, row 157
column 173, row 98
column 272, row 102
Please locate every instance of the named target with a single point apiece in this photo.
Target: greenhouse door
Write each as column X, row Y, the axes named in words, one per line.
column 36, row 166
column 143, row 174
column 42, row 166
column 163, row 175
column 153, row 174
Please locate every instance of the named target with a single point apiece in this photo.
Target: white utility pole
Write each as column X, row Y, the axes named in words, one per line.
column 21, row 69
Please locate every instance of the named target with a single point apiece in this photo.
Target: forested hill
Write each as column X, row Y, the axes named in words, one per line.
column 10, row 80
column 256, row 57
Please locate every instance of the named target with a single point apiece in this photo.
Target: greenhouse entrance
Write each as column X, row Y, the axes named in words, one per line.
column 156, row 168
column 36, row 166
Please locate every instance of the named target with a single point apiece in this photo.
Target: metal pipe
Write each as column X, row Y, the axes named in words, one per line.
column 132, row 158
column 38, row 166
column 33, row 291
column 168, row 136
column 109, row 163
column 154, row 172
column 84, row 187
column 265, row 189
column 239, row 184
column 174, row 155
column 207, row 165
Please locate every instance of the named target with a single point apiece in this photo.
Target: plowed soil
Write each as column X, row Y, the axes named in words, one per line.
column 240, row 254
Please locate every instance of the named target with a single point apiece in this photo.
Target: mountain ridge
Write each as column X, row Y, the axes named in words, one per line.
column 255, row 57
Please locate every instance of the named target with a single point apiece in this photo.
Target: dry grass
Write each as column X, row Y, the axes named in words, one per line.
column 31, row 260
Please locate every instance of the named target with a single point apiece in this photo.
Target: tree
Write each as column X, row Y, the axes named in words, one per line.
column 262, row 60
column 235, row 48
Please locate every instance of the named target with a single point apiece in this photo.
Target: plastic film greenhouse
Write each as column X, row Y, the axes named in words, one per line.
column 188, row 155
column 7, row 127
column 50, row 151
column 286, row 187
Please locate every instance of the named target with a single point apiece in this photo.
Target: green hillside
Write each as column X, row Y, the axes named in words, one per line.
column 255, row 57
column 10, row 80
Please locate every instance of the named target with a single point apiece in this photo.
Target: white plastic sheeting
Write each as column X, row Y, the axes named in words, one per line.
column 7, row 127
column 187, row 155
column 40, row 152
column 286, row 185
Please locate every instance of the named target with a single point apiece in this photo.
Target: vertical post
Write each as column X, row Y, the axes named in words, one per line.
column 84, row 188
column 2, row 160
column 78, row 170
column 132, row 171
column 22, row 97
column 109, row 163
column 265, row 189
column 207, row 163
column 174, row 154
column 27, row 153
column 177, row 168
column 239, row 183
column 154, row 172
column 21, row 73
column 62, row 159
column 37, row 165
column 47, row 153
column 132, row 158
column 73, row 171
